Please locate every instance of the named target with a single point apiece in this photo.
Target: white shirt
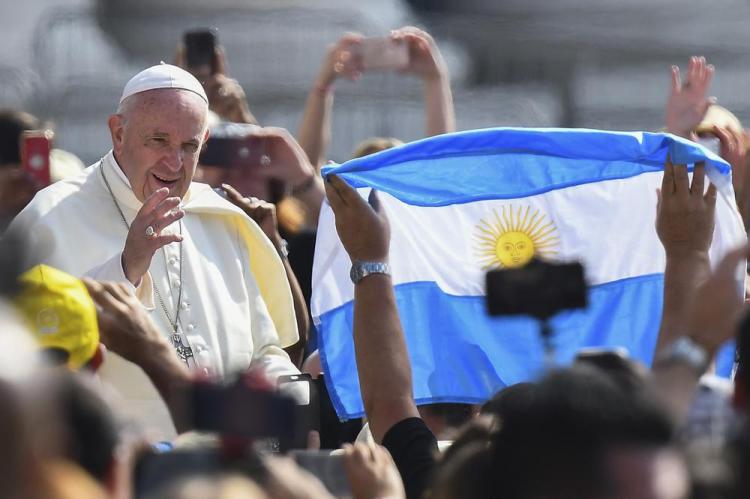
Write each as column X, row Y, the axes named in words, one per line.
column 75, row 226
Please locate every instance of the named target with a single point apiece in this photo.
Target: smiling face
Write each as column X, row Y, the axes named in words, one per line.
column 157, row 136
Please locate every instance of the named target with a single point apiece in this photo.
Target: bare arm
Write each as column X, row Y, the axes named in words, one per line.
column 426, row 62
column 264, row 215
column 315, row 129
column 382, row 358
column 126, row 330
column 685, row 225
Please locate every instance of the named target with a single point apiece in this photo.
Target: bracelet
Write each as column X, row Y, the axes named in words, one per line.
column 305, row 186
column 283, row 249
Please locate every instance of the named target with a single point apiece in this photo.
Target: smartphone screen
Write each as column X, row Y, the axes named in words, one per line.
column 304, row 392
column 384, row 53
column 200, row 50
column 35, row 154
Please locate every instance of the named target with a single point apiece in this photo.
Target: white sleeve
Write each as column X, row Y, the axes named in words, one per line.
column 112, row 270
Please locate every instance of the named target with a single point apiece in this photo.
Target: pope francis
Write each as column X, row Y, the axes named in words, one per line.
column 212, row 281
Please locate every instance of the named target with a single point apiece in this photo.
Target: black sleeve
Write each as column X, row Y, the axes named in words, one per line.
column 414, row 450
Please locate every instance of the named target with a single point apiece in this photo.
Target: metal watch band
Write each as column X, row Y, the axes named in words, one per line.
column 688, row 352
column 360, row 270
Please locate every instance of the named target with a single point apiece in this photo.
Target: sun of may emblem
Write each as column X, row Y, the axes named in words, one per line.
column 514, row 236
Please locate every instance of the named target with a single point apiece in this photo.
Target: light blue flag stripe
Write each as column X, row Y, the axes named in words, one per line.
column 505, row 163
column 468, row 353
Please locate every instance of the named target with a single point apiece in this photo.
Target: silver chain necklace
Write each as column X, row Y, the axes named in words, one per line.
column 184, row 352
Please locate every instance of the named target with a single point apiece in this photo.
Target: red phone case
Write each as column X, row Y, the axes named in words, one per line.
column 35, row 154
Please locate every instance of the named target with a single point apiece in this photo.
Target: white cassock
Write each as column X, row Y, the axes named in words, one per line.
column 236, row 306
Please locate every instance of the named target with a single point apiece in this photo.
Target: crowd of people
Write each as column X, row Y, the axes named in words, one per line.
column 133, row 287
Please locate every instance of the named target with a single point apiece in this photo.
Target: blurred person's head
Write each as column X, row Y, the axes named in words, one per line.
column 444, row 419
column 718, row 116
column 373, row 145
column 61, row 314
column 19, row 467
column 159, row 130
column 76, row 425
column 219, row 486
column 512, row 398
column 742, row 376
column 581, row 436
column 11, row 264
column 626, row 372
column 12, row 124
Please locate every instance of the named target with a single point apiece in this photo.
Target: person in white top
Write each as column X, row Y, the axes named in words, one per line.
column 211, row 280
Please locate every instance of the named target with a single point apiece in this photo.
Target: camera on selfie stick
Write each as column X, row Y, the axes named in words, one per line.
column 539, row 289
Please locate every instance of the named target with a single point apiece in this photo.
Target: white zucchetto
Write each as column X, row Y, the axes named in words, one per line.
column 162, row 76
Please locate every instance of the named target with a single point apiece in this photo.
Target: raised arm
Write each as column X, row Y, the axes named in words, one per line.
column 315, row 129
column 382, row 358
column 264, row 215
column 688, row 102
column 126, row 329
column 426, row 62
column 685, row 225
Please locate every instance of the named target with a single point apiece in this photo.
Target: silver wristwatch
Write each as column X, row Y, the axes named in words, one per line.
column 360, row 270
column 688, row 352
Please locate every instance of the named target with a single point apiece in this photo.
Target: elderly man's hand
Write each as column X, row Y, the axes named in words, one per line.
column 144, row 237
column 684, row 214
column 371, row 472
column 124, row 326
column 363, row 229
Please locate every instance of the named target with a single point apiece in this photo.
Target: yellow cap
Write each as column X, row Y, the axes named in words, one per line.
column 60, row 313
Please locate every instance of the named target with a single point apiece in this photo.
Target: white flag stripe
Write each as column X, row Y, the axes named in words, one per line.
column 444, row 244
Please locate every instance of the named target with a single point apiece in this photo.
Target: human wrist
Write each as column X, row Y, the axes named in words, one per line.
column 305, row 185
column 154, row 355
column 686, row 255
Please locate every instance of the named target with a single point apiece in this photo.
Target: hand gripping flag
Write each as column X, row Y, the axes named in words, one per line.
column 463, row 203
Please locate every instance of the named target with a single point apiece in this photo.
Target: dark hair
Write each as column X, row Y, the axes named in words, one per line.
column 556, row 446
column 743, row 351
column 512, row 398
column 89, row 425
column 11, row 251
column 12, row 123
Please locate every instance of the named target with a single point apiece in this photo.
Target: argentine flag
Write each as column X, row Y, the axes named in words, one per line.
column 463, row 203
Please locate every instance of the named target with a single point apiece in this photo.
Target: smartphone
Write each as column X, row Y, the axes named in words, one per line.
column 155, row 470
column 301, row 388
column 200, row 51
column 35, row 154
column 240, row 411
column 327, row 466
column 539, row 289
column 233, row 145
column 711, row 143
column 384, row 53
